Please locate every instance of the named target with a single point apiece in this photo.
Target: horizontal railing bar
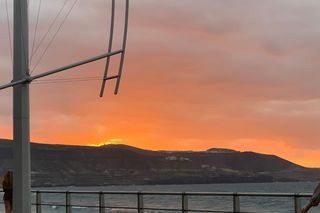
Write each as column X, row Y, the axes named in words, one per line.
column 48, row 204
column 64, row 192
column 86, row 206
column 248, row 194
column 63, row 68
column 160, row 193
column 106, row 207
column 52, row 204
column 191, row 193
column 272, row 195
column 223, row 211
column 161, row 209
column 118, row 207
column 58, row 205
column 87, row 192
column 243, row 194
column 190, row 210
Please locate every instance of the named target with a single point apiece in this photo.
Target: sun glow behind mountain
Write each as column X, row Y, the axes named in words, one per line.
column 107, row 142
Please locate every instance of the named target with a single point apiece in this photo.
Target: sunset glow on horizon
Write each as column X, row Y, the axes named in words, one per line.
column 107, row 142
column 197, row 75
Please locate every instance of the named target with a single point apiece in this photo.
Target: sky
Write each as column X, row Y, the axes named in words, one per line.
column 198, row 74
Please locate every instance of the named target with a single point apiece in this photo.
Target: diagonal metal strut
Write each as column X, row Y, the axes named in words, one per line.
column 60, row 69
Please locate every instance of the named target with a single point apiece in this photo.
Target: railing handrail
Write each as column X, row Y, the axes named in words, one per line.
column 256, row 194
column 242, row 194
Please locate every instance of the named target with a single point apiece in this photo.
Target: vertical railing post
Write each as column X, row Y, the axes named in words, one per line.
column 140, row 202
column 38, row 202
column 236, row 203
column 68, row 202
column 101, row 203
column 184, row 202
column 297, row 203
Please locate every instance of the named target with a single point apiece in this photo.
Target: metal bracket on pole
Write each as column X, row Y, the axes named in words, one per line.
column 124, row 44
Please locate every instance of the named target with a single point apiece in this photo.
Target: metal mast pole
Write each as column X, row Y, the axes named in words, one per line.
column 21, row 111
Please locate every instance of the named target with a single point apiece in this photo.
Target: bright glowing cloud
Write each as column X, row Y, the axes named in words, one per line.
column 107, row 142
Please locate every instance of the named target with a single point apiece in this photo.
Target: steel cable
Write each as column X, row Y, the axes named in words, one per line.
column 54, row 81
column 35, row 29
column 9, row 32
column 54, row 36
column 48, row 31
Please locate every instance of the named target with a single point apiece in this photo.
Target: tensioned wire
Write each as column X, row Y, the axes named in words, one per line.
column 48, row 31
column 35, row 29
column 54, row 36
column 63, row 79
column 24, row 43
column 9, row 32
column 67, row 80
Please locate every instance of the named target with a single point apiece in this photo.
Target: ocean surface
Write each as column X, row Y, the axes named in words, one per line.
column 204, row 203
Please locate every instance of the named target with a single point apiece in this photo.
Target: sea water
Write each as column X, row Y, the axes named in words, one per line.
column 204, row 203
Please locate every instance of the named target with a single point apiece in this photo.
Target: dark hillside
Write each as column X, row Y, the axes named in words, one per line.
column 122, row 164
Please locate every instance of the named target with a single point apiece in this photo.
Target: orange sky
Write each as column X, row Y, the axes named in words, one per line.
column 198, row 74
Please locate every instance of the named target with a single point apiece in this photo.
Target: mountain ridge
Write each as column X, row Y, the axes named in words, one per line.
column 112, row 164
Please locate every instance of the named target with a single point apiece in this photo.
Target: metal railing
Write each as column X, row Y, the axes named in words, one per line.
column 140, row 206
